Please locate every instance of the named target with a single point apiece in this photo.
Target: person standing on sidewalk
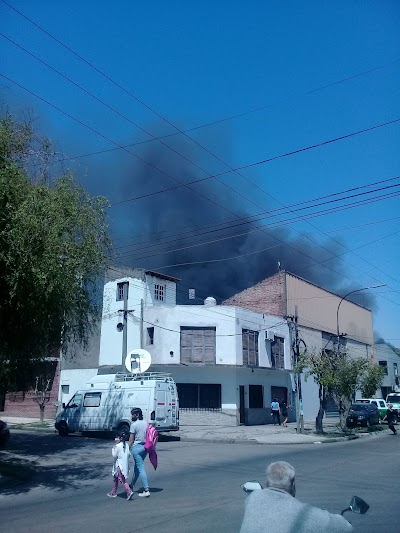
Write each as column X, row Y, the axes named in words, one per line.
column 390, row 417
column 284, row 412
column 137, row 440
column 120, row 470
column 275, row 411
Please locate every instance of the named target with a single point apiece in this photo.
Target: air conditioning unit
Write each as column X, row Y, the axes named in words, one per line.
column 270, row 335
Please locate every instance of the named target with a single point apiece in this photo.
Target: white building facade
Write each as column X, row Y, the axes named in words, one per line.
column 228, row 362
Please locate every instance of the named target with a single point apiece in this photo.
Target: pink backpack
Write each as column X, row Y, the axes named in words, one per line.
column 151, row 438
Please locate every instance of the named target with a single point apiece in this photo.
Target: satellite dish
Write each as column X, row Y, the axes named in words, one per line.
column 138, row 361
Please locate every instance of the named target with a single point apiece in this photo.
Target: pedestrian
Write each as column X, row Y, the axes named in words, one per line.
column 120, row 469
column 275, row 411
column 137, row 440
column 276, row 510
column 390, row 417
column 284, row 412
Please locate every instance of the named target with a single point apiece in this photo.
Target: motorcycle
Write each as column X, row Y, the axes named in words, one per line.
column 357, row 504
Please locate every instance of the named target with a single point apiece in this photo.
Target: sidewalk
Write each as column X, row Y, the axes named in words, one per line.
column 265, row 434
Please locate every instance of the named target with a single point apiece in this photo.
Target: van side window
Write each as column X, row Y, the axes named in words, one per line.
column 92, row 399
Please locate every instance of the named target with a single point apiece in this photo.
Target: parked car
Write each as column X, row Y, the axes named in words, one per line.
column 379, row 402
column 4, row 434
column 362, row 414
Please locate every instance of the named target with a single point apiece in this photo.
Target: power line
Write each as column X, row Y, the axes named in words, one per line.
column 179, row 131
column 164, row 119
column 218, row 226
column 271, row 225
column 274, row 223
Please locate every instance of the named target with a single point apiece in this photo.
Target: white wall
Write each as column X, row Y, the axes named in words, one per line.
column 76, row 379
column 111, row 339
column 228, row 321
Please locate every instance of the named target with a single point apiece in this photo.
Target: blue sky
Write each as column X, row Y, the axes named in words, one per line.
column 196, row 63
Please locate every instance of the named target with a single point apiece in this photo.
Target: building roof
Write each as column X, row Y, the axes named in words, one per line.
column 118, row 272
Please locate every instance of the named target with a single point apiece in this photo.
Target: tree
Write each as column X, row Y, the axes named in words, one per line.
column 372, row 380
column 336, row 373
column 54, row 241
column 42, row 394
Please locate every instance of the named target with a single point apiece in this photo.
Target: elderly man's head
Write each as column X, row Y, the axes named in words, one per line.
column 281, row 475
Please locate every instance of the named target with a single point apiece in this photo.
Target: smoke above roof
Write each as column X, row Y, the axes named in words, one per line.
column 207, row 235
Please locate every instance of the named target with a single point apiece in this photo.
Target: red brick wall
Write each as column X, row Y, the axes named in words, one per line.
column 267, row 297
column 19, row 405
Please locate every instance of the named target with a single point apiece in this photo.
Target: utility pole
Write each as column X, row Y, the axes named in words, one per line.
column 141, row 323
column 296, row 356
column 125, row 326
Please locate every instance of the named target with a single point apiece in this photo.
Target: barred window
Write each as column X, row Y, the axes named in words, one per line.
column 159, row 292
column 121, row 288
column 250, row 347
column 277, row 353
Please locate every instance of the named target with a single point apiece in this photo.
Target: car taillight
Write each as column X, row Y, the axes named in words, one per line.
column 153, row 415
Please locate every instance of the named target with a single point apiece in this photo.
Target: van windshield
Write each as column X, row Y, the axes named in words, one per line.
column 394, row 399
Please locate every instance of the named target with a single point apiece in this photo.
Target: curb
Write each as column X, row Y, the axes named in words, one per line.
column 254, row 441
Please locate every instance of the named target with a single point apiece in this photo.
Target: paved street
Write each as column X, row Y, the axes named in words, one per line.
column 60, row 484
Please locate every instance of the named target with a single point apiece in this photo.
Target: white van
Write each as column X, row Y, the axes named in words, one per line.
column 106, row 401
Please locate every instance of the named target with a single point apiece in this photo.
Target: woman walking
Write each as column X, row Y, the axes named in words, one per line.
column 275, row 411
column 284, row 412
column 137, row 441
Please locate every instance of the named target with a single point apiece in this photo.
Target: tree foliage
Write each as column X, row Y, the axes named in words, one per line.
column 341, row 375
column 371, row 380
column 54, row 241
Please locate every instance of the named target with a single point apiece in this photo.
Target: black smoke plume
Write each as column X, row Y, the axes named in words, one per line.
column 207, row 235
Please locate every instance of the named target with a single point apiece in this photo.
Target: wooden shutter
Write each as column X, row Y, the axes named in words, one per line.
column 198, row 345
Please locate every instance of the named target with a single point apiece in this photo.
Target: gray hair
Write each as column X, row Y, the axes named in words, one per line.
column 280, row 475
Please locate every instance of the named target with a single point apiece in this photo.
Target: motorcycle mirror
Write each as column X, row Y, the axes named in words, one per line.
column 249, row 486
column 358, row 505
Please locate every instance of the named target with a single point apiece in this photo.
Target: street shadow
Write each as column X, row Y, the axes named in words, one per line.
column 46, row 460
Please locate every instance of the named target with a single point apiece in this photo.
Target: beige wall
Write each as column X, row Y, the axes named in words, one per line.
column 317, row 309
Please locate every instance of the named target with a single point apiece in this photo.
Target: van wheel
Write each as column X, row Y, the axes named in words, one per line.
column 124, row 426
column 63, row 429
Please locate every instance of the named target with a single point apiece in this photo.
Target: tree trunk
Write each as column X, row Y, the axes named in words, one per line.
column 322, row 406
column 2, row 399
column 41, row 413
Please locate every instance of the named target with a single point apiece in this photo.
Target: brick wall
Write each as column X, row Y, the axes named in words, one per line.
column 267, row 297
column 23, row 405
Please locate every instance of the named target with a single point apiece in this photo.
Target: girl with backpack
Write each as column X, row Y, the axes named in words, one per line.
column 137, row 441
column 120, row 469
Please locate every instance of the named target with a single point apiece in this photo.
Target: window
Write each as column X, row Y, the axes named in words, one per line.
column 199, row 396
column 197, row 345
column 92, row 399
column 159, row 292
column 383, row 364
column 150, row 335
column 65, row 389
column 277, row 353
column 250, row 347
column 121, row 290
column 256, row 397
column 75, row 401
column 395, row 369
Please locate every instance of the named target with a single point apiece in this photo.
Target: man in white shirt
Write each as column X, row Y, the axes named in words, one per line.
column 275, row 509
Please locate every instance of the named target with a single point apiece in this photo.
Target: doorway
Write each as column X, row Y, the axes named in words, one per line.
column 241, row 405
